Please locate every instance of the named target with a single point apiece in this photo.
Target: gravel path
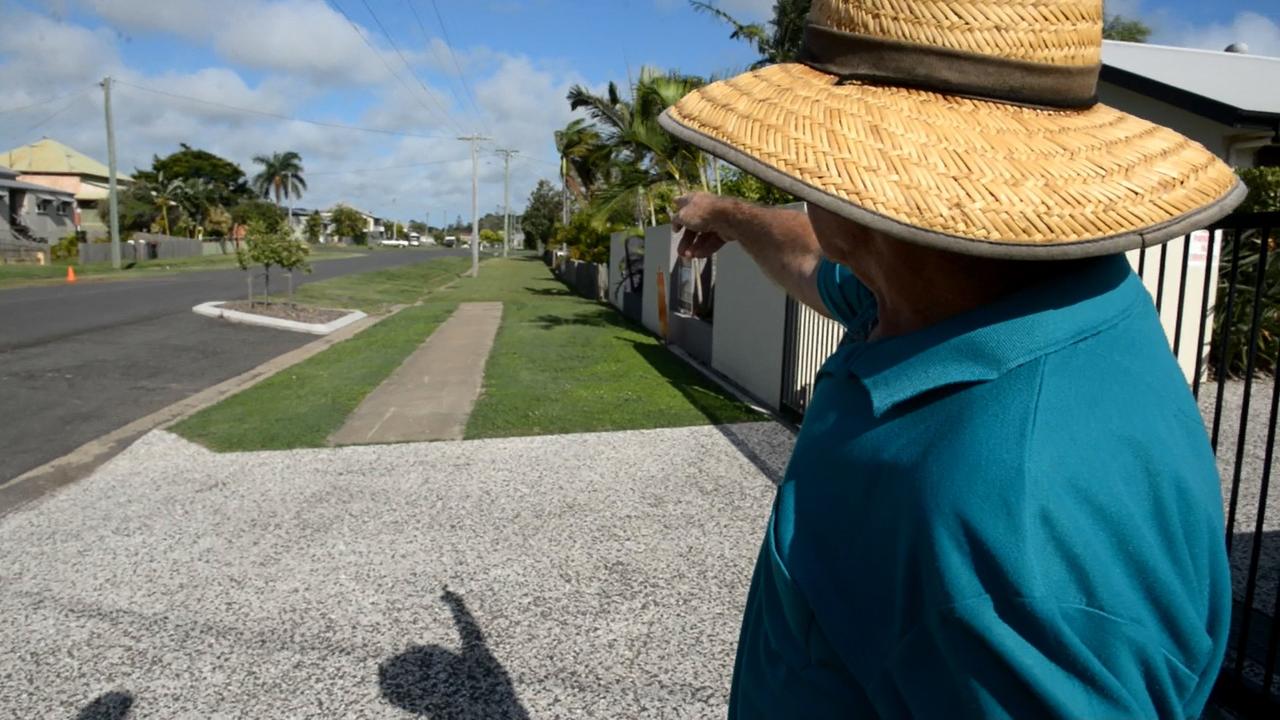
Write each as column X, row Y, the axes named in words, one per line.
column 575, row 576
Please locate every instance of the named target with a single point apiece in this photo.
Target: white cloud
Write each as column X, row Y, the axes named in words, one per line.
column 523, row 102
column 1260, row 33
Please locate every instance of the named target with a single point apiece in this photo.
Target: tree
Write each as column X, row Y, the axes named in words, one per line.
column 419, row 227
column 1117, row 27
column 737, row 183
column 582, row 158
column 269, row 215
column 165, row 194
column 349, row 223
column 227, row 183
column 778, row 45
column 542, row 214
column 281, row 176
column 314, row 227
column 272, row 248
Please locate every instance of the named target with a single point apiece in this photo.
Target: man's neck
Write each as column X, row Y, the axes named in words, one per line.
column 918, row 287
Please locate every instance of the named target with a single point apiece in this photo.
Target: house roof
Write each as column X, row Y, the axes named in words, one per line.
column 50, row 157
column 8, row 183
column 1231, row 88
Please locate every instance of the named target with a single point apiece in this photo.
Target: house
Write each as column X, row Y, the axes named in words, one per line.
column 32, row 214
column 51, row 164
column 373, row 228
column 1228, row 101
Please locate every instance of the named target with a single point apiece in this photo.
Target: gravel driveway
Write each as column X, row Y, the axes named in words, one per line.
column 578, row 576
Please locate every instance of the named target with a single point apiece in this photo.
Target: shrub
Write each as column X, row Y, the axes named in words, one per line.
column 1264, row 189
column 587, row 240
column 1264, row 196
column 68, row 248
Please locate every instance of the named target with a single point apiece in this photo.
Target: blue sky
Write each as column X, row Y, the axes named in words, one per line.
column 302, row 58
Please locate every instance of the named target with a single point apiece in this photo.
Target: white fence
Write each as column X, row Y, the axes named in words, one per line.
column 772, row 347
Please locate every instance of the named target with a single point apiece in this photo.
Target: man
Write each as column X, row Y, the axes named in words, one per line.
column 1002, row 502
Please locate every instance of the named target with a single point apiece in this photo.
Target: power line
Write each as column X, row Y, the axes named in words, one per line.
column 57, row 112
column 46, row 101
column 413, row 7
column 277, row 116
column 391, row 41
column 444, row 29
column 337, row 6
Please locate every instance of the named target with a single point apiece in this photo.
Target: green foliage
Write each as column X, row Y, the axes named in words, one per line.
column 350, row 224
column 780, row 42
column 587, row 239
column 68, row 248
column 272, row 248
column 419, row 227
column 1117, row 27
column 1264, row 189
column 737, row 183
column 490, row 236
column 271, row 217
column 541, row 214
column 281, row 176
column 226, row 179
column 314, row 227
column 1247, row 294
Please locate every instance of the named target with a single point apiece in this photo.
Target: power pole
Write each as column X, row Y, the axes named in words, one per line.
column 506, row 201
column 475, row 140
column 111, row 181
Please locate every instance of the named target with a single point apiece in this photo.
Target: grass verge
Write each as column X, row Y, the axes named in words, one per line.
column 563, row 364
column 560, row 364
column 375, row 292
column 301, row 406
column 30, row 274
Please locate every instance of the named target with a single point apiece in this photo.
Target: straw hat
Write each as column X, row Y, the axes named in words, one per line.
column 967, row 125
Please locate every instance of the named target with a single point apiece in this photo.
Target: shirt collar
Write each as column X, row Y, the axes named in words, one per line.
column 985, row 343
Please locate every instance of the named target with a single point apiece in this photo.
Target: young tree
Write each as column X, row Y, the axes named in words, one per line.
column 272, row 248
column 542, row 214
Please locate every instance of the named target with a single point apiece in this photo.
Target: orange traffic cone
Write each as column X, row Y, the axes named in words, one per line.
column 71, row 274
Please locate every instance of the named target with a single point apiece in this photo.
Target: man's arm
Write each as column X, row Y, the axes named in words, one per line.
column 781, row 241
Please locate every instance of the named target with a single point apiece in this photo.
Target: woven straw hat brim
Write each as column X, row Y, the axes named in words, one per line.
column 964, row 175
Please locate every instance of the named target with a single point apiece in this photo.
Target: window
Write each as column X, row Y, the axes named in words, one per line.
column 64, row 209
column 44, row 206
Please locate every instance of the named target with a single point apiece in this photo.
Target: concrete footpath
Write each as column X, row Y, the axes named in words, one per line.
column 573, row 576
column 431, row 395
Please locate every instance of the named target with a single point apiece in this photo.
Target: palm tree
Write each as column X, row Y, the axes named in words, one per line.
column 644, row 158
column 281, row 176
column 166, row 195
column 779, row 46
column 580, row 150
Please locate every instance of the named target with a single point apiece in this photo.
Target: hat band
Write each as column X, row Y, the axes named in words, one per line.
column 954, row 72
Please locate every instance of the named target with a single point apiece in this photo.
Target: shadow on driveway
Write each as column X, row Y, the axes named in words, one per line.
column 108, row 706
column 439, row 683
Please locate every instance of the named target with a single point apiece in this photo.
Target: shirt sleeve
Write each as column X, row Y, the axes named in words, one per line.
column 846, row 298
column 1025, row 659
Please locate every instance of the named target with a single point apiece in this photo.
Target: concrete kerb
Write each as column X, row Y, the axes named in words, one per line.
column 77, row 464
column 215, row 310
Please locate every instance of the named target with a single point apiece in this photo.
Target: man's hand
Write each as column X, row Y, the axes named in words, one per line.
column 704, row 218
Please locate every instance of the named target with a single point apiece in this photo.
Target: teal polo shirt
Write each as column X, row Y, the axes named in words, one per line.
column 1014, row 513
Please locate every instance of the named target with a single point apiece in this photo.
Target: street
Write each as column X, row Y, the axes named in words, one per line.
column 78, row 361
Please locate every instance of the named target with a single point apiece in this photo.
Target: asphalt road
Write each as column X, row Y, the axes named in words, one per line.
column 78, row 361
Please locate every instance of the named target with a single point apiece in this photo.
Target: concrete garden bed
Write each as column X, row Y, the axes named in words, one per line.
column 282, row 316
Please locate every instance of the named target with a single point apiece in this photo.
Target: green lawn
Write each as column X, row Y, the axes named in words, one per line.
column 302, row 406
column 560, row 364
column 31, row 274
column 375, row 292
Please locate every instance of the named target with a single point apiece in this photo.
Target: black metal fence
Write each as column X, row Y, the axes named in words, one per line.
column 1217, row 292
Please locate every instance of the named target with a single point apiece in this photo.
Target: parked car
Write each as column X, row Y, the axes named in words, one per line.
column 388, row 242
column 450, row 240
column 415, row 240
